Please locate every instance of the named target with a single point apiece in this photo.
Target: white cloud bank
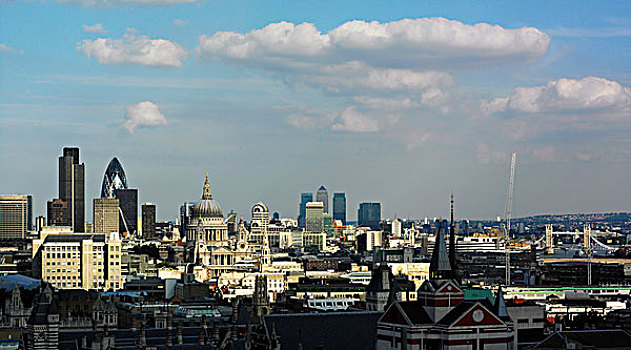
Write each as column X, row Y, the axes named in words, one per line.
column 145, row 113
column 95, row 28
column 589, row 94
column 406, row 43
column 134, row 50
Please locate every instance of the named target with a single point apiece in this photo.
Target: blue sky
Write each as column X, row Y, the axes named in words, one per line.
column 276, row 98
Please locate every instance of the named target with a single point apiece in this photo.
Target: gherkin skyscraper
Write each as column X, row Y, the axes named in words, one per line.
column 115, row 186
column 114, row 179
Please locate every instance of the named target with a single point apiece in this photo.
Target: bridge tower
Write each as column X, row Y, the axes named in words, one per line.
column 548, row 236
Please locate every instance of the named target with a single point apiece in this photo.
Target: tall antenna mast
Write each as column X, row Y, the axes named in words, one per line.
column 508, row 214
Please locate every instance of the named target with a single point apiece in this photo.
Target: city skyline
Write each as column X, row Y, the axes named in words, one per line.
column 375, row 95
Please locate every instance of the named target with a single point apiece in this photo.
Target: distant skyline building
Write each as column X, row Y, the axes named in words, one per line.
column 16, row 216
column 128, row 201
column 339, row 207
column 314, row 217
column 106, row 215
column 148, row 220
column 369, row 215
column 323, row 196
column 72, row 186
column 114, row 179
column 260, row 222
column 57, row 213
column 305, row 198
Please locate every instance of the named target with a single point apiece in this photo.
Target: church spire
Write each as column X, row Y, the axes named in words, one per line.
column 439, row 266
column 206, row 194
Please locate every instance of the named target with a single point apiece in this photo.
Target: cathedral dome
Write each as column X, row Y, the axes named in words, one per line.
column 207, row 206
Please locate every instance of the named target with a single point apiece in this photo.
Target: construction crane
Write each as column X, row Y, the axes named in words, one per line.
column 508, row 214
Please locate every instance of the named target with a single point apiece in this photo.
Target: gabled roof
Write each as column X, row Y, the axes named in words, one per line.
column 463, row 311
column 415, row 312
column 334, row 330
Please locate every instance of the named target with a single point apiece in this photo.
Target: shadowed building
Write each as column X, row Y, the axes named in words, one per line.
column 369, row 215
column 323, row 196
column 72, row 186
column 302, row 208
column 57, row 213
column 128, row 203
column 148, row 220
column 339, row 207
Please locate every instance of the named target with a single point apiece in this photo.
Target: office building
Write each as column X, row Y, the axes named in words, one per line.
column 79, row 261
column 72, row 186
column 57, row 213
column 302, row 208
column 323, row 196
column 128, row 201
column 16, row 216
column 260, row 222
column 106, row 215
column 339, row 207
column 113, row 179
column 369, row 215
column 314, row 221
column 148, row 220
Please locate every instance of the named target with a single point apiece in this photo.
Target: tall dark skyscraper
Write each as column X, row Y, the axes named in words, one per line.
column 323, row 196
column 305, row 198
column 129, row 209
column 72, row 186
column 148, row 220
column 339, row 207
column 369, row 215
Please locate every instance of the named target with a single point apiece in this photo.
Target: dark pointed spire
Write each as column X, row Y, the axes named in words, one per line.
column 500, row 305
column 439, row 266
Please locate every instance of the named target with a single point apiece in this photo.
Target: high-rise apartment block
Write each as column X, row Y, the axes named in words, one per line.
column 16, row 216
column 128, row 201
column 305, row 198
column 369, row 215
column 339, row 207
column 72, row 186
column 79, row 261
column 106, row 215
column 323, row 196
column 148, row 220
column 314, row 217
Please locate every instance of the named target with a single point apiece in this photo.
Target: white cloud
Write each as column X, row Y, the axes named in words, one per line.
column 407, row 43
column 134, row 50
column 386, row 103
column 485, row 156
column 545, row 154
column 564, row 95
column 145, row 113
column 95, row 28
column 4, row 48
column 351, row 119
column 180, row 22
column 108, row 3
column 356, row 74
